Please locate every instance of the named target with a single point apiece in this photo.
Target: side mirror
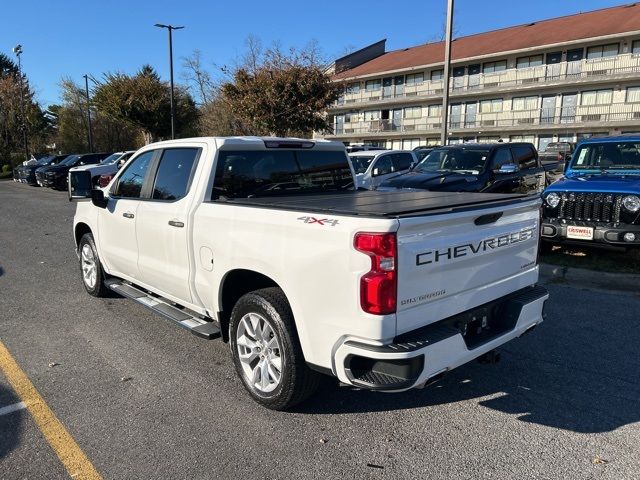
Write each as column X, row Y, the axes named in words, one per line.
column 508, row 168
column 121, row 163
column 79, row 185
column 98, row 198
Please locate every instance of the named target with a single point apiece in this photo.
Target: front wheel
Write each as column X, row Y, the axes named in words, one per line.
column 266, row 352
column 91, row 271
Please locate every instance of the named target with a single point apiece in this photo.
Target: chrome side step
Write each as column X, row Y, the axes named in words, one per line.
column 181, row 317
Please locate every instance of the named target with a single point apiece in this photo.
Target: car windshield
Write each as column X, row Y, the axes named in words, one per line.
column 113, row 158
column 361, row 162
column 607, row 156
column 45, row 160
column 421, row 153
column 70, row 160
column 258, row 173
column 459, row 160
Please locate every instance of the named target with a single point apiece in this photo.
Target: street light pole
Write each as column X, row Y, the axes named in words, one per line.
column 170, row 28
column 18, row 51
column 447, row 67
column 86, row 89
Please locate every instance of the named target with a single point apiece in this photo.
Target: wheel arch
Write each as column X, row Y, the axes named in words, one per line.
column 234, row 285
column 79, row 230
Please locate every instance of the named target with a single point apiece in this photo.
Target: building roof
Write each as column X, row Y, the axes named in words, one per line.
column 597, row 23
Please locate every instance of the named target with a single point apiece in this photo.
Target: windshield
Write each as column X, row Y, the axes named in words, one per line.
column 360, row 162
column 422, row 153
column 45, row 160
column 245, row 174
column 607, row 156
column 70, row 160
column 113, row 158
column 454, row 160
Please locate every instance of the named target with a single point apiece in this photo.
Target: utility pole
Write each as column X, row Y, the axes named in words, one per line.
column 86, row 89
column 170, row 28
column 447, row 67
column 18, row 51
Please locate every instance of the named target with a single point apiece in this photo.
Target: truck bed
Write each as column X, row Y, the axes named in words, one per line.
column 396, row 204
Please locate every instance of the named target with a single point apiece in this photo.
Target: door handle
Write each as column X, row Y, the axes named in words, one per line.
column 176, row 223
column 127, row 215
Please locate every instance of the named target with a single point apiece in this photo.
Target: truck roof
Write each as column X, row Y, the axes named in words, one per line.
column 255, row 142
column 627, row 137
column 396, row 204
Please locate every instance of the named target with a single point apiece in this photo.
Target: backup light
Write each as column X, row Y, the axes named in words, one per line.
column 631, row 203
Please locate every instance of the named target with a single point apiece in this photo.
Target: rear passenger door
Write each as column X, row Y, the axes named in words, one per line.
column 531, row 175
column 164, row 223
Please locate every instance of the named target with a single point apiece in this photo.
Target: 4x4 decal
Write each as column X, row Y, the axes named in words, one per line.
column 320, row 221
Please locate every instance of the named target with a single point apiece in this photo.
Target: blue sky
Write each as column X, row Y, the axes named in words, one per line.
column 73, row 37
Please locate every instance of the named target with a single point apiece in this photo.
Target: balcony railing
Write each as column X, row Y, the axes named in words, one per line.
column 626, row 64
column 594, row 114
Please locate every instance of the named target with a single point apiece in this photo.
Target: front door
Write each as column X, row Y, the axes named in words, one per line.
column 339, row 124
column 548, row 111
column 397, row 120
column 474, row 76
column 471, row 109
column 387, row 87
column 553, row 65
column 568, row 112
column 399, row 85
column 117, row 223
column 458, row 78
column 456, row 113
column 163, row 225
column 574, row 61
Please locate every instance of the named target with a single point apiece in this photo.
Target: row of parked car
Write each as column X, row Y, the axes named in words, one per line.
column 53, row 170
column 591, row 191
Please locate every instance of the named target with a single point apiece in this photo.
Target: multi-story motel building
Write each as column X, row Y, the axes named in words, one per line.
column 561, row 79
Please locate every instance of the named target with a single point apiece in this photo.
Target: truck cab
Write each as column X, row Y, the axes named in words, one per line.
column 597, row 203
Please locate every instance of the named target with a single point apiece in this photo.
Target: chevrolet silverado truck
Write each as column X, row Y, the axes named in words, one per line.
column 476, row 167
column 265, row 243
column 597, row 202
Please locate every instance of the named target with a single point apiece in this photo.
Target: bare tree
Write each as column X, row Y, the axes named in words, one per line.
column 198, row 78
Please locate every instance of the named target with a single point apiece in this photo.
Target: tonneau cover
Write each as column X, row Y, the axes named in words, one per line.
column 393, row 204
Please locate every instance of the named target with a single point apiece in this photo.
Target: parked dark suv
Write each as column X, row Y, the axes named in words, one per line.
column 476, row 167
column 56, row 177
column 28, row 172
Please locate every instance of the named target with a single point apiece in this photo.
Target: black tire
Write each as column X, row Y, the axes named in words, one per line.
column 98, row 289
column 297, row 381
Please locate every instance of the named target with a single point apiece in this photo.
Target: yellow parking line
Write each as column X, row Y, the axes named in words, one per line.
column 69, row 452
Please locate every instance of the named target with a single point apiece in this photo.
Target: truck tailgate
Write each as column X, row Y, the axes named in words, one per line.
column 454, row 262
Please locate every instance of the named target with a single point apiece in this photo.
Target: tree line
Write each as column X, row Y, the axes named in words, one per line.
column 269, row 91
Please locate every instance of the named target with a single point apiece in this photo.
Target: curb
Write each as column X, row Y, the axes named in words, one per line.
column 580, row 277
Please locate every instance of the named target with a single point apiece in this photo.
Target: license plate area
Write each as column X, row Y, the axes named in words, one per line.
column 579, row 233
column 483, row 324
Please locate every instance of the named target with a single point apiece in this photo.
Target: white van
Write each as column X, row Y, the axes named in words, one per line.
column 375, row 166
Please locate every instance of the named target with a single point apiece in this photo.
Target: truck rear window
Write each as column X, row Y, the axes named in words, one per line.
column 258, row 173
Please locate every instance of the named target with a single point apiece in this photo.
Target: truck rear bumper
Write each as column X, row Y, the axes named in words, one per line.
column 417, row 357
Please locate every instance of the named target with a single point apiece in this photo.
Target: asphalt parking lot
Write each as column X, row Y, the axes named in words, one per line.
column 144, row 399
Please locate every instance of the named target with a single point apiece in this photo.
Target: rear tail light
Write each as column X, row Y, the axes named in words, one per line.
column 378, row 287
column 104, row 180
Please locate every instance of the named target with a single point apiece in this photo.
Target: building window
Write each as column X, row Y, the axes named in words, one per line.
column 413, row 112
column 532, row 61
column 437, row 75
column 597, row 97
column 353, row 88
column 372, row 85
column 525, row 103
column 435, row 110
column 372, row 115
column 522, row 138
column 491, row 67
column 347, row 117
column 410, row 143
column 491, row 106
column 635, row 47
column 415, row 79
column 602, row 51
column 633, row 95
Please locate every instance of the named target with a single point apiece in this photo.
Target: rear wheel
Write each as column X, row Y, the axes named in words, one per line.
column 266, row 352
column 91, row 271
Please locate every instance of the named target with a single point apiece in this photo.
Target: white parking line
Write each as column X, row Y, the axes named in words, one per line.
column 12, row 408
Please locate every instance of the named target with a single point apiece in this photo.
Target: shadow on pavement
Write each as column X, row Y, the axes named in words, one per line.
column 582, row 376
column 10, row 424
column 1, row 271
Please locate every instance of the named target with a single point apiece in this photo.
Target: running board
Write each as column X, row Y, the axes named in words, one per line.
column 182, row 318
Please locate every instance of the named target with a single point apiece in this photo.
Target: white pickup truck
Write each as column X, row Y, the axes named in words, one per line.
column 264, row 242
